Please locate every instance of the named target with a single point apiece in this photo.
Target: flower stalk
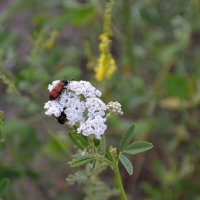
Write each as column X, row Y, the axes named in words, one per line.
column 115, row 167
column 106, row 63
column 119, row 182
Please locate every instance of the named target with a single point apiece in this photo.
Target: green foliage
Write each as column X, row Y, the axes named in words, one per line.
column 3, row 133
column 137, row 147
column 92, row 185
column 4, row 184
column 58, row 145
column 95, row 151
column 80, row 15
column 17, row 172
column 9, row 83
column 133, row 148
column 79, row 140
column 127, row 164
column 102, row 145
column 177, row 85
column 126, row 139
column 81, row 160
column 1, row 124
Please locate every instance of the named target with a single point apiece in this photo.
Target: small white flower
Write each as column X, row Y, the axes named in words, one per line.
column 53, row 108
column 83, row 88
column 75, row 111
column 93, row 126
column 114, row 108
column 96, row 107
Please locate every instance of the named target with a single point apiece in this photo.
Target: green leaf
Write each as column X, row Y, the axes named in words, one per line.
column 77, row 140
column 138, row 147
column 94, row 165
column 126, row 139
column 108, row 157
column 103, row 144
column 127, row 164
column 4, row 183
column 83, row 139
column 81, row 160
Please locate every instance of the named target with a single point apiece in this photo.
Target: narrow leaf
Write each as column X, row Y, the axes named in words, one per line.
column 103, row 144
column 83, row 139
column 4, row 183
column 126, row 139
column 108, row 157
column 94, row 164
column 76, row 140
column 127, row 164
column 138, row 147
column 81, row 160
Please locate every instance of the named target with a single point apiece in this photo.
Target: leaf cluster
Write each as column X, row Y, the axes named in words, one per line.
column 110, row 157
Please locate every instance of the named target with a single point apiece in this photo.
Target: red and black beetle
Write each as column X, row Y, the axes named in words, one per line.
column 57, row 89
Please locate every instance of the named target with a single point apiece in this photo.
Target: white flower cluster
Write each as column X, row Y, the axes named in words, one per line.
column 115, row 108
column 80, row 102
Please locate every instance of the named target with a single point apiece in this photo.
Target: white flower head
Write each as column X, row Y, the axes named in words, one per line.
column 93, row 126
column 83, row 88
column 114, row 108
column 80, row 102
column 95, row 106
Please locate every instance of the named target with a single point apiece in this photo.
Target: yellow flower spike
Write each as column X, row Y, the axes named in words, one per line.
column 106, row 63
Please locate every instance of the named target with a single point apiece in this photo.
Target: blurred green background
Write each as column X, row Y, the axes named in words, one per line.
column 156, row 45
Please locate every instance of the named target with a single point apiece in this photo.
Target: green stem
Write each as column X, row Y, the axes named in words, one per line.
column 119, row 183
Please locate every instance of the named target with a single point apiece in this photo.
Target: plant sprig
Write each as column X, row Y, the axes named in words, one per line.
column 111, row 156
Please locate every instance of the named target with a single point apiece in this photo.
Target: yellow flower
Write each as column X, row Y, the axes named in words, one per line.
column 106, row 63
